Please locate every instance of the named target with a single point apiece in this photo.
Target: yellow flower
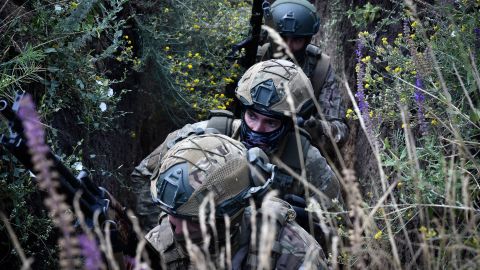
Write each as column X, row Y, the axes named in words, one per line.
column 222, row 95
column 384, row 41
column 366, row 59
column 400, row 184
column 191, row 88
column 74, row 5
column 431, row 233
column 414, row 24
column 400, row 35
column 387, row 68
column 434, row 122
column 196, row 81
column 403, row 125
column 189, row 66
column 413, row 72
column 464, row 28
column 349, row 113
column 194, row 105
column 228, row 80
column 423, row 229
column 196, row 26
column 370, row 114
column 363, row 34
column 166, row 10
column 380, row 79
column 412, row 36
column 197, row 55
column 398, row 70
column 190, row 54
column 167, row 48
column 125, row 37
column 170, row 57
column 378, row 235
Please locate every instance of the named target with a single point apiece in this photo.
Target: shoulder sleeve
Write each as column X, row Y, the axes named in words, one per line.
column 333, row 107
column 322, row 177
column 299, row 250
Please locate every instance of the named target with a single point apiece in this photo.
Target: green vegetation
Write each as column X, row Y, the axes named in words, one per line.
column 417, row 97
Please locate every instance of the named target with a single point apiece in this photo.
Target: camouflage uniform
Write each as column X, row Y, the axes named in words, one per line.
column 299, row 19
column 318, row 173
column 293, row 247
column 269, row 82
column 326, row 91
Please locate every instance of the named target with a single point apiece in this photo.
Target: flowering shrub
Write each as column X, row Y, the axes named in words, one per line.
column 417, row 92
column 189, row 41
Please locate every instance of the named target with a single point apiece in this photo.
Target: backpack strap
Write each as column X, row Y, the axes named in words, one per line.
column 221, row 120
column 317, row 66
column 262, row 52
column 288, row 150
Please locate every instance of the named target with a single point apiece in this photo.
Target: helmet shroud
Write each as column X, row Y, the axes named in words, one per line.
column 266, row 85
column 200, row 165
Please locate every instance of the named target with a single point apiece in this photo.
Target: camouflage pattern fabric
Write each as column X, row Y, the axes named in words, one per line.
column 329, row 98
column 293, row 247
column 318, row 173
column 333, row 108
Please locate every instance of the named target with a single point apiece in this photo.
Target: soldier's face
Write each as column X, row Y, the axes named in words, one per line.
column 261, row 123
column 194, row 231
column 295, row 44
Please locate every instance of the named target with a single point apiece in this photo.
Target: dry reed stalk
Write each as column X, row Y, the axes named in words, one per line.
column 228, row 244
column 197, row 257
column 26, row 262
column 268, row 233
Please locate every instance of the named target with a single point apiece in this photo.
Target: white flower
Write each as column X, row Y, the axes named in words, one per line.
column 103, row 106
column 453, row 34
column 99, row 82
column 110, row 92
column 78, row 166
column 58, row 8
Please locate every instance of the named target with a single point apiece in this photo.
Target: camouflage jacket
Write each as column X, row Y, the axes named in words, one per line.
column 318, row 68
column 292, row 247
column 318, row 173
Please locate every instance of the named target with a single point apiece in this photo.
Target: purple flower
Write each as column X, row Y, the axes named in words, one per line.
column 419, row 100
column 90, row 251
column 360, row 95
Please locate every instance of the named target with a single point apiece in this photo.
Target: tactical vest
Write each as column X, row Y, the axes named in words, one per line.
column 287, row 152
column 316, row 64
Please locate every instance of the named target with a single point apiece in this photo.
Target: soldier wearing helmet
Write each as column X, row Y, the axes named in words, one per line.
column 272, row 93
column 297, row 21
column 214, row 175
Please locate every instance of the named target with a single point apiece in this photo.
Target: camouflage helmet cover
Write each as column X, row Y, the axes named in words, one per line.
column 295, row 18
column 196, row 166
column 264, row 87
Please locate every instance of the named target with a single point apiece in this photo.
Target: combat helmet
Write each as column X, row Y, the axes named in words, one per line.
column 207, row 164
column 293, row 18
column 266, row 86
